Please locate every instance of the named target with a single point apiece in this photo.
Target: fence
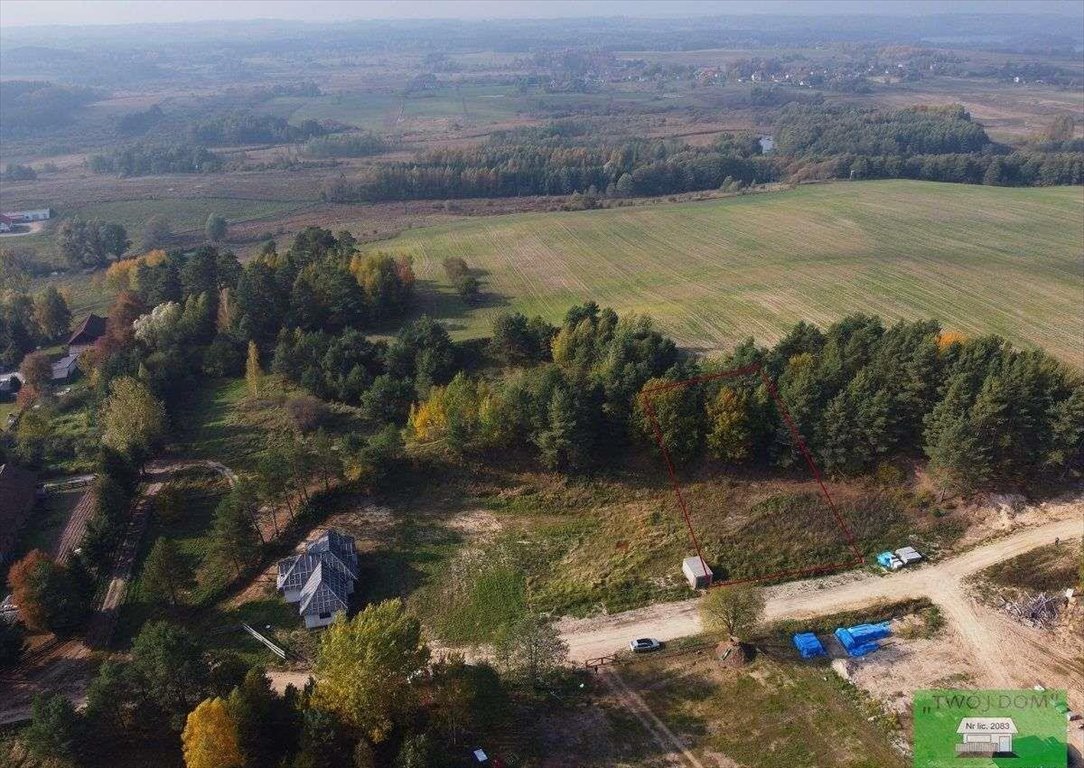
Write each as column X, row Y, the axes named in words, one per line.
column 278, row 651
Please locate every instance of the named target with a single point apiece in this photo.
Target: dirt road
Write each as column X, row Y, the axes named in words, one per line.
column 76, row 526
column 595, row 637
column 67, row 667
column 673, row 750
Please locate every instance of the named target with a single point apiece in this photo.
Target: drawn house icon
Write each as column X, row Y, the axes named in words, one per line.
column 985, row 736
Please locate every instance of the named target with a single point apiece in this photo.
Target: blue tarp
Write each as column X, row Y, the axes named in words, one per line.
column 862, row 638
column 865, row 633
column 808, row 645
column 884, row 559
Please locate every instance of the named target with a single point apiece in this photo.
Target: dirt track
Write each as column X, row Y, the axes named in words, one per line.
column 1007, row 654
column 67, row 666
column 942, row 583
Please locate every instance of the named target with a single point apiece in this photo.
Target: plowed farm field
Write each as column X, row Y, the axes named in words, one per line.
column 978, row 259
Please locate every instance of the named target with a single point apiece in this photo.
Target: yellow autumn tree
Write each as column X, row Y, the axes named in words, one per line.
column 253, row 371
column 948, row 338
column 452, row 413
column 210, row 737
column 428, row 419
column 154, row 258
column 119, row 275
column 729, row 436
column 365, row 667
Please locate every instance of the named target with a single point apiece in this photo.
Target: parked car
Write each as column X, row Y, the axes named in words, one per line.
column 644, row 644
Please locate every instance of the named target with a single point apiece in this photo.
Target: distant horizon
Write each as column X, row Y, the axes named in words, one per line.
column 67, row 14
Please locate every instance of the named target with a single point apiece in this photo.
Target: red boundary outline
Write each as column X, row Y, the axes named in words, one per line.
column 754, row 368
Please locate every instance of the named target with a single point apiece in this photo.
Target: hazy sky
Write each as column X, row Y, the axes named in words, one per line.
column 15, row 13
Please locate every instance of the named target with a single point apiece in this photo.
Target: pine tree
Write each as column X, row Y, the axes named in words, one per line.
column 557, row 442
column 165, row 571
column 949, row 439
column 233, row 535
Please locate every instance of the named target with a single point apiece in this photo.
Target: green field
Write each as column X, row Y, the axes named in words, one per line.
column 979, row 259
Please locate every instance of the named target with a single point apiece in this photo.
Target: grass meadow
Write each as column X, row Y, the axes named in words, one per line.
column 979, row 259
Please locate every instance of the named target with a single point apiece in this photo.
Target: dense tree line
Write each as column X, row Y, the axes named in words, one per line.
column 148, row 159
column 361, row 144
column 244, row 127
column 377, row 699
column 930, row 144
column 556, row 166
column 859, row 393
column 91, row 243
column 812, row 141
column 1019, row 169
column 821, row 131
column 32, row 105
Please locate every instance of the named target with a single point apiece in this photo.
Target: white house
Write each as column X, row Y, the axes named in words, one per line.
column 985, row 736
column 321, row 579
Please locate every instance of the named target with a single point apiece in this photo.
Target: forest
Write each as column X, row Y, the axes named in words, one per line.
column 813, row 141
column 146, row 160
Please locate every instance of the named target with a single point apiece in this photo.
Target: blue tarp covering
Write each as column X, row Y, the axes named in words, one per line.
column 865, row 633
column 862, row 638
column 885, row 559
column 808, row 645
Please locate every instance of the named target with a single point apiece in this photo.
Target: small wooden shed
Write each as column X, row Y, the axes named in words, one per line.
column 696, row 572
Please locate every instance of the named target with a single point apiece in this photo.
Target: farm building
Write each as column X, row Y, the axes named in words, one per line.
column 17, row 496
column 321, row 579
column 23, row 217
column 88, row 332
column 65, row 367
column 696, row 572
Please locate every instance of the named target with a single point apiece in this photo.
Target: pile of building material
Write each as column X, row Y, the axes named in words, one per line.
column 809, row 647
column 893, row 561
column 861, row 639
column 1039, row 610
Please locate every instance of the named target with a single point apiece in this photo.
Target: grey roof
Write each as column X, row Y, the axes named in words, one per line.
column 340, row 547
column 294, row 571
column 62, row 366
column 325, row 573
column 326, row 591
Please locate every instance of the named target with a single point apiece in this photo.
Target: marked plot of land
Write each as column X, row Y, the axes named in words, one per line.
column 979, row 259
